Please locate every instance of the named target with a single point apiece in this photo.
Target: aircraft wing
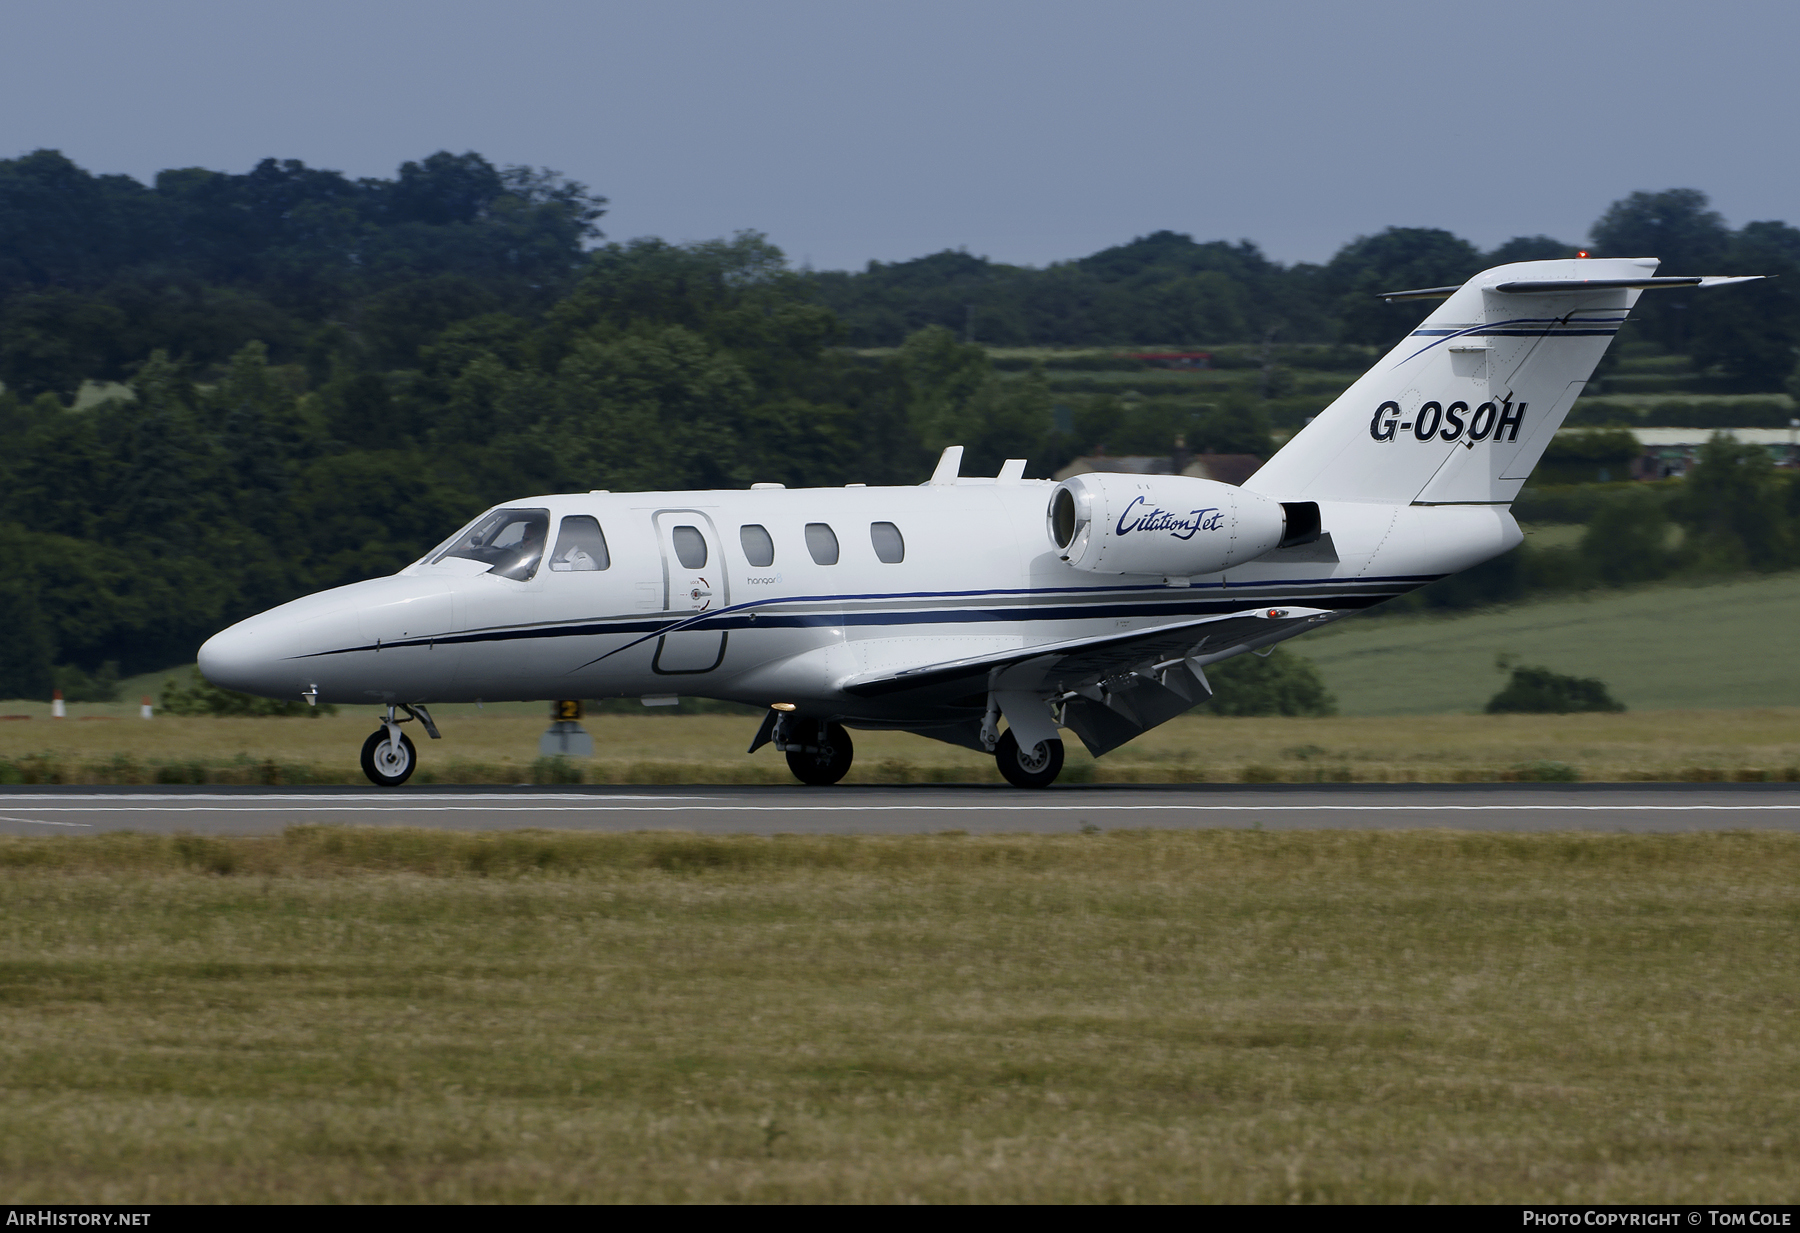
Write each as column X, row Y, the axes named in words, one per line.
column 1080, row 661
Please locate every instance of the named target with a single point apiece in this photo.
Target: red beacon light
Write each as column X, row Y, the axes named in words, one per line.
column 1581, row 255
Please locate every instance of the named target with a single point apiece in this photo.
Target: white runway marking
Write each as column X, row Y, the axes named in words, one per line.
column 386, row 797
column 45, row 822
column 1094, row 807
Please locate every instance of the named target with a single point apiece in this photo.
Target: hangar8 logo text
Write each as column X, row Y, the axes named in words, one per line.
column 1452, row 423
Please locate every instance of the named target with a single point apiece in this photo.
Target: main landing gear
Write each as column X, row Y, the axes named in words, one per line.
column 1034, row 768
column 388, row 756
column 1034, row 762
column 818, row 753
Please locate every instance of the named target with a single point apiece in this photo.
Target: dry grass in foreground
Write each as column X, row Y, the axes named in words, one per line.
column 370, row 1015
column 1747, row 745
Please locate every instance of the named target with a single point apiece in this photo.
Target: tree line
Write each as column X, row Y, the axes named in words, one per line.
column 321, row 377
column 140, row 524
column 1167, row 288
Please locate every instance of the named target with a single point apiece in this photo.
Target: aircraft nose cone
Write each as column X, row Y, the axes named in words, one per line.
column 239, row 658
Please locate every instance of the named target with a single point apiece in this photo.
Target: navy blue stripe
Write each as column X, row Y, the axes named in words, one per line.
column 745, row 616
column 1452, row 331
column 730, row 619
column 1499, row 329
column 1547, row 333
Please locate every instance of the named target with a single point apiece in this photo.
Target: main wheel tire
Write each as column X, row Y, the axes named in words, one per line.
column 1037, row 769
column 384, row 764
column 830, row 759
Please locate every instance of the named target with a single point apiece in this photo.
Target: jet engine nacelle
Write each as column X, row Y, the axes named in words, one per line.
column 1172, row 525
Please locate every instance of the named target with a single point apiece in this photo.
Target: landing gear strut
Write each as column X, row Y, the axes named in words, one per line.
column 388, row 756
column 818, row 753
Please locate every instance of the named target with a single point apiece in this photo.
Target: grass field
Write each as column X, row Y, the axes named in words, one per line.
column 1659, row 648
column 480, row 747
column 363, row 1015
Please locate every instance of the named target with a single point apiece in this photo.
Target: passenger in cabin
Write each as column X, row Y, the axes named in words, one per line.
column 580, row 546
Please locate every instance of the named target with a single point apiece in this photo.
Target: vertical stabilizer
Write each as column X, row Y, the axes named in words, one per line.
column 1464, row 407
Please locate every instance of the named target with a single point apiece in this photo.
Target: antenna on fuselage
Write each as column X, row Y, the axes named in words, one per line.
column 949, row 465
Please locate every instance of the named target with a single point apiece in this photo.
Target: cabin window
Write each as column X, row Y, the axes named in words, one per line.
column 889, row 545
column 759, row 549
column 511, row 541
column 690, row 547
column 821, row 541
column 580, row 546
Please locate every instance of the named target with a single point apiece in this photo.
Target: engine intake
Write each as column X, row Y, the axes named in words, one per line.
column 1173, row 525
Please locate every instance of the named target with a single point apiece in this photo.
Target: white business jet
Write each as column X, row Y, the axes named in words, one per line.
column 990, row 613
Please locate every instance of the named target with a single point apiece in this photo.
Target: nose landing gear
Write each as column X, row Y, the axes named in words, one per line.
column 388, row 756
column 388, row 761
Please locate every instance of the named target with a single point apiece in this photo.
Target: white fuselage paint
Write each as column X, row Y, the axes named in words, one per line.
column 979, row 575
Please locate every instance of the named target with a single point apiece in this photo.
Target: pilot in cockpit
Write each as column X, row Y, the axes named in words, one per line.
column 510, row 541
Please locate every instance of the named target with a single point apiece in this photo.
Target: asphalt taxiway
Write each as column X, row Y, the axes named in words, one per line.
column 909, row 809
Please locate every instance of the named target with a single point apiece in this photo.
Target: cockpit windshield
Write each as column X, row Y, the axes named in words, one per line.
column 510, row 540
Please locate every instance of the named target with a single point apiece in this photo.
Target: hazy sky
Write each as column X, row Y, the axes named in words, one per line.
column 1028, row 132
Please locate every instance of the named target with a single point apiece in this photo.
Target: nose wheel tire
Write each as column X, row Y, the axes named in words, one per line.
column 827, row 761
column 1037, row 768
column 385, row 764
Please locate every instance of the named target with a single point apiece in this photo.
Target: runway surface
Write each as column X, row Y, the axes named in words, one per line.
column 910, row 809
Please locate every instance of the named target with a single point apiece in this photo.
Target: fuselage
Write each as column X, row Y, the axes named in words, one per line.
column 782, row 595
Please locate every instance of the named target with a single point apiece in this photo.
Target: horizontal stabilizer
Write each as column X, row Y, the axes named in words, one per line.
column 1080, row 661
column 1556, row 286
column 1569, row 286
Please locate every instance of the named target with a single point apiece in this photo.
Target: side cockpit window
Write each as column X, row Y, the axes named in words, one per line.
column 580, row 546
column 759, row 549
column 510, row 541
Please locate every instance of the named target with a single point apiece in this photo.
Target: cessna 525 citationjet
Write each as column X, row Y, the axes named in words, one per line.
column 990, row 613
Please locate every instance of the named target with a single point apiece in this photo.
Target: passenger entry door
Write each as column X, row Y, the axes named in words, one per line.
column 694, row 583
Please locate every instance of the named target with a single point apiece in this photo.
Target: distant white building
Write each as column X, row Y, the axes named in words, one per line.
column 1669, row 452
